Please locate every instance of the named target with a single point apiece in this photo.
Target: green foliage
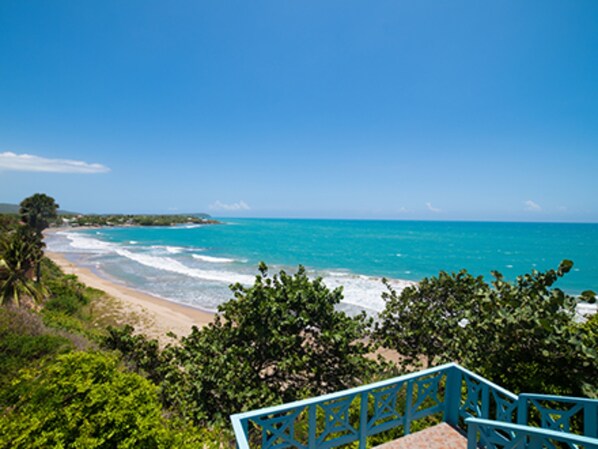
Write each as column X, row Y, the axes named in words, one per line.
column 38, row 210
column 67, row 307
column 279, row 340
column 427, row 319
column 24, row 342
column 20, row 253
column 522, row 335
column 141, row 354
column 67, row 295
column 526, row 336
column 138, row 220
column 83, row 400
column 8, row 222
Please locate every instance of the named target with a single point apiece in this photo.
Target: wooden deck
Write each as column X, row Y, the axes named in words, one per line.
column 441, row 436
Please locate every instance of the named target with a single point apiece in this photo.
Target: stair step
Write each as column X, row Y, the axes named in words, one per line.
column 441, row 436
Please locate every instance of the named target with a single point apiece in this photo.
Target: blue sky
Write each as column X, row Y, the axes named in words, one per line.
column 438, row 110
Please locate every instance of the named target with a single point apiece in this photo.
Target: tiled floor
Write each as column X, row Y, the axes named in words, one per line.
column 441, row 436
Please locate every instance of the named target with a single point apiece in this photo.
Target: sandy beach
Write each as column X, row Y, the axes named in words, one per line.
column 155, row 317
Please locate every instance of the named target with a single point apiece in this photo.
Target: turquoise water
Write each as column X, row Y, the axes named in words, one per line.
column 195, row 265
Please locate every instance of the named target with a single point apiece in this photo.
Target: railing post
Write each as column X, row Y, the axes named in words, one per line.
column 363, row 420
column 452, row 396
column 472, row 436
column 485, row 402
column 408, row 406
column 312, row 424
column 522, row 410
column 590, row 420
column 245, row 425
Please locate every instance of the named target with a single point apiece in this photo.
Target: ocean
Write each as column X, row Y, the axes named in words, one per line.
column 195, row 265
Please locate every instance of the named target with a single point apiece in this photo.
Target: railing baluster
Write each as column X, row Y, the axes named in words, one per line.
column 485, row 401
column 452, row 396
column 472, row 436
column 408, row 407
column 312, row 417
column 522, row 410
column 590, row 417
column 363, row 420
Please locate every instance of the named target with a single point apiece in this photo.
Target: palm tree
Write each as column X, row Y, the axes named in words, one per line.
column 37, row 211
column 19, row 255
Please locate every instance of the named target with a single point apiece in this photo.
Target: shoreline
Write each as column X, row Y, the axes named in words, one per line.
column 159, row 316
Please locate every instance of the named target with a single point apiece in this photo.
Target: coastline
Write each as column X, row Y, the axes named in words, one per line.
column 158, row 316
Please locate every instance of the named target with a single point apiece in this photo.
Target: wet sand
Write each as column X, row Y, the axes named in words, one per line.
column 157, row 316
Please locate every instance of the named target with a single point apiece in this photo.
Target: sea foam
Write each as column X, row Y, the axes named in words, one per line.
column 172, row 265
column 212, row 259
column 363, row 291
column 88, row 244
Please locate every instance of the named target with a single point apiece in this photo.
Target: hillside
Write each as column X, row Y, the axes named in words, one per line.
column 7, row 208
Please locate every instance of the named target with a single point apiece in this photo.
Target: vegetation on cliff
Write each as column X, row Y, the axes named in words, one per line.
column 134, row 220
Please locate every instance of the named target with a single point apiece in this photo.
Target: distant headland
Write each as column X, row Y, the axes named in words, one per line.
column 112, row 220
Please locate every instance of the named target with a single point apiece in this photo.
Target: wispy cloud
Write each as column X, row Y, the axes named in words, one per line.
column 218, row 205
column 432, row 208
column 31, row 163
column 532, row 206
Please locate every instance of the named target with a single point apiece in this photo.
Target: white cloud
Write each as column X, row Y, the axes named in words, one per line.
column 432, row 208
column 241, row 205
column 532, row 206
column 31, row 163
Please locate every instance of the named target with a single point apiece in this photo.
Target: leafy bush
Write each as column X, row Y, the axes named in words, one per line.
column 137, row 351
column 278, row 340
column 522, row 335
column 24, row 342
column 84, row 400
column 67, row 295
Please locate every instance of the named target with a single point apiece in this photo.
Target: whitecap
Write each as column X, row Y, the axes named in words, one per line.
column 364, row 291
column 174, row 266
column 212, row 259
column 89, row 244
column 168, row 249
column 338, row 273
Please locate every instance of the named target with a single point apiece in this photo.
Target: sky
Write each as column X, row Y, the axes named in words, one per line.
column 435, row 110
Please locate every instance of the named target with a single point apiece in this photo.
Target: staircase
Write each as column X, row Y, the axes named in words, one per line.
column 444, row 407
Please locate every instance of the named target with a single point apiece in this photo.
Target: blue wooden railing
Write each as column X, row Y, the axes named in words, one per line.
column 493, row 434
column 449, row 393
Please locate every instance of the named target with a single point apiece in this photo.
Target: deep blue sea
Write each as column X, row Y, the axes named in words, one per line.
column 196, row 264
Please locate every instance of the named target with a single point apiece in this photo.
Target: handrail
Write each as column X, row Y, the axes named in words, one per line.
column 487, row 382
column 560, row 419
column 537, row 434
column 552, row 397
column 342, row 393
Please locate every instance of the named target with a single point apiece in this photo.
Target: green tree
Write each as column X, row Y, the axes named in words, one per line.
column 20, row 252
column 526, row 336
column 278, row 340
column 36, row 212
column 522, row 335
column 425, row 322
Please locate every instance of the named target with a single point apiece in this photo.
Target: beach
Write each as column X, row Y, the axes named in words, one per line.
column 153, row 316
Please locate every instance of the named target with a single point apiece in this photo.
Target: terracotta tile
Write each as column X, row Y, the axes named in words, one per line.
column 441, row 436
